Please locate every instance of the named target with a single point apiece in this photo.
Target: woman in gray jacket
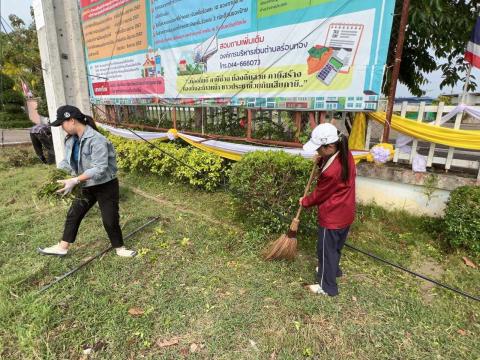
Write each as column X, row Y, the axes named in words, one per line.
column 91, row 157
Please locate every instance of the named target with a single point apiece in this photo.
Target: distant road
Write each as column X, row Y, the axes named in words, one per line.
column 14, row 136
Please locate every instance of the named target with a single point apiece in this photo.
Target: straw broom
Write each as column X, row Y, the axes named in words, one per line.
column 285, row 247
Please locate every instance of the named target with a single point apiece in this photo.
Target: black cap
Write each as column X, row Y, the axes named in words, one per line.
column 66, row 112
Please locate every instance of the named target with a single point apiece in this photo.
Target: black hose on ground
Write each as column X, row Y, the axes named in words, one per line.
column 73, row 271
column 287, row 221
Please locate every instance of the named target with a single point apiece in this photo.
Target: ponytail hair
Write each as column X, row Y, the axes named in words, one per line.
column 344, row 153
column 88, row 120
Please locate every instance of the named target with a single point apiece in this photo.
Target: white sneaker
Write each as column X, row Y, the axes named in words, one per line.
column 316, row 289
column 55, row 250
column 121, row 251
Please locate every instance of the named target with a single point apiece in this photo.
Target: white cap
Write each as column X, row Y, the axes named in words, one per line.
column 323, row 134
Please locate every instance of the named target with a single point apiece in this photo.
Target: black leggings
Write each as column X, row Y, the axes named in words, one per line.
column 43, row 146
column 107, row 195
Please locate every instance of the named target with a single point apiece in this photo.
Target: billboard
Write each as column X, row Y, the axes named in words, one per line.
column 304, row 54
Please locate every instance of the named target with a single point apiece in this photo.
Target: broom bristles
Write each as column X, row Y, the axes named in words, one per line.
column 284, row 248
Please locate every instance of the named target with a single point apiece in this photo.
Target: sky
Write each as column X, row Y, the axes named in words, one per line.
column 21, row 8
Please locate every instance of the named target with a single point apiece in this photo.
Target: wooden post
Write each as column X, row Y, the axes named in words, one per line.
column 403, row 113
column 198, row 117
column 298, row 124
column 174, row 117
column 111, row 115
column 249, row 123
column 451, row 150
column 204, row 117
column 333, row 121
column 125, row 113
column 396, row 69
column 421, row 111
column 431, row 151
column 311, row 119
column 322, row 117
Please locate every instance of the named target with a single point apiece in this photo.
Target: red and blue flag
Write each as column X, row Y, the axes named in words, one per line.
column 472, row 54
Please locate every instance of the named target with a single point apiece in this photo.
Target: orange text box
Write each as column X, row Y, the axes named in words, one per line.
column 118, row 32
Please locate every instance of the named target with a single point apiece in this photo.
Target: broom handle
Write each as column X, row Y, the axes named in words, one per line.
column 312, row 175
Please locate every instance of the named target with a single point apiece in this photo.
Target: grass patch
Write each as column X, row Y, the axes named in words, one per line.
column 203, row 291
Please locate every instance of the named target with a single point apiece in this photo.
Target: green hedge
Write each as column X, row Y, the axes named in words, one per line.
column 11, row 96
column 6, row 82
column 266, row 184
column 210, row 170
column 42, row 107
column 462, row 218
column 13, row 109
column 14, row 120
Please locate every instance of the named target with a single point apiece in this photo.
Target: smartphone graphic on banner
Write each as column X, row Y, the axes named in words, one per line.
column 332, row 67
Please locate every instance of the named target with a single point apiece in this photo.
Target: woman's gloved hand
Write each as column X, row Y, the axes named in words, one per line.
column 68, row 185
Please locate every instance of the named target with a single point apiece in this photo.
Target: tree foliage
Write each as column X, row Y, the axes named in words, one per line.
column 436, row 36
column 12, row 114
column 20, row 54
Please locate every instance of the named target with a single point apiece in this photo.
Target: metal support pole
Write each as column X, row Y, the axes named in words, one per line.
column 463, row 99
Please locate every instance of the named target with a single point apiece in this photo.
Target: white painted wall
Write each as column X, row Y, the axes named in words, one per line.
column 393, row 195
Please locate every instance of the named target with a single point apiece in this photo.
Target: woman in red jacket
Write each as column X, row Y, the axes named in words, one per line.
column 334, row 197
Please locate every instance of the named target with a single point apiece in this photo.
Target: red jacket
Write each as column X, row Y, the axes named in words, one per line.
column 335, row 199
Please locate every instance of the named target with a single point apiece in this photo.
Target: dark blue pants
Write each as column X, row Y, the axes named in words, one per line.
column 329, row 246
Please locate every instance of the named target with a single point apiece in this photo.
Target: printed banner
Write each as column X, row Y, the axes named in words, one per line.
column 283, row 54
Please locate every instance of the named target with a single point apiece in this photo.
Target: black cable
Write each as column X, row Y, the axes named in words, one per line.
column 173, row 104
column 164, row 152
column 72, row 271
column 287, row 221
column 3, row 26
column 5, row 22
column 116, row 38
column 414, row 273
column 275, row 212
column 285, row 53
column 213, row 37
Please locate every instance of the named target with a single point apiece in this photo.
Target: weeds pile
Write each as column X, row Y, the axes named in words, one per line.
column 48, row 190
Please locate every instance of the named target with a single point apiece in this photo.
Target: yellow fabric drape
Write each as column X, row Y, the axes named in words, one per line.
column 233, row 155
column 222, row 153
column 466, row 139
column 356, row 139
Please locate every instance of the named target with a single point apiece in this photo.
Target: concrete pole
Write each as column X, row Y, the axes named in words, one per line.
column 63, row 61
